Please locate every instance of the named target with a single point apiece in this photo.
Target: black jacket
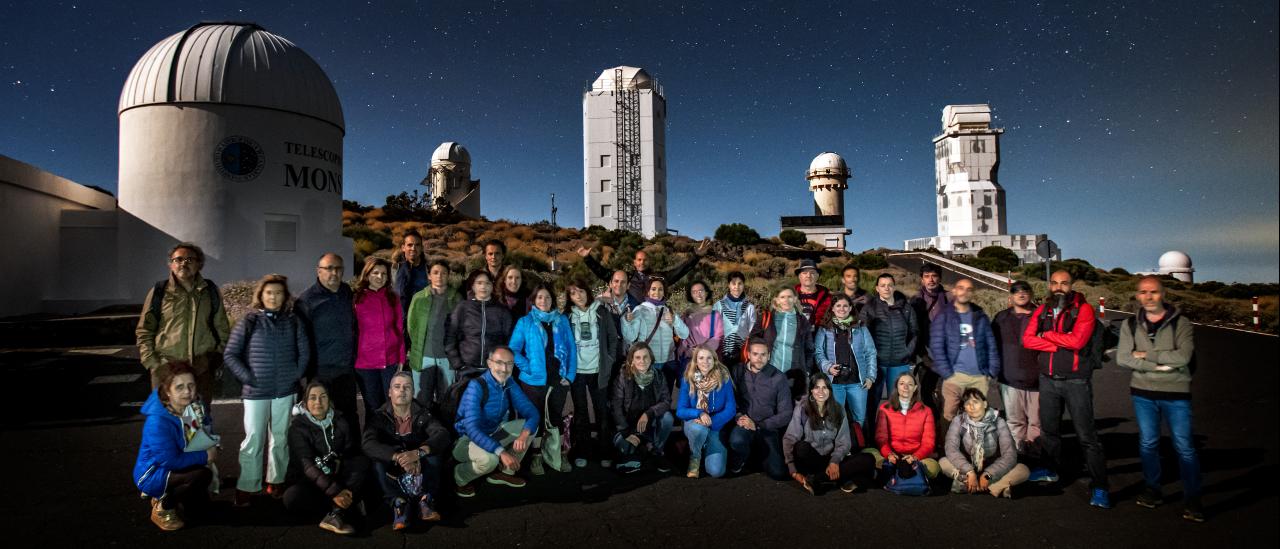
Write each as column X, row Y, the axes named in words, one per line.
column 268, row 352
column 764, row 397
column 381, row 440
column 629, row 402
column 307, row 441
column 331, row 323
column 1019, row 367
column 893, row 329
column 475, row 327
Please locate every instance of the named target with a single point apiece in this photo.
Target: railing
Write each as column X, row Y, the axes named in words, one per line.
column 999, row 282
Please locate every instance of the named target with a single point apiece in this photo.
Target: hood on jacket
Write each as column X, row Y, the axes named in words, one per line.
column 153, row 407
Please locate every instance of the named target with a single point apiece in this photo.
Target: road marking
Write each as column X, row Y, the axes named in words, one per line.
column 104, row 351
column 121, row 378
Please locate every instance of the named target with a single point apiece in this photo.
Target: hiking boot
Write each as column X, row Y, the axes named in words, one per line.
column 535, row 466
column 1192, row 511
column 606, row 463
column 695, row 465
column 467, row 490
column 1149, row 498
column 333, row 522
column 627, row 467
column 848, row 487
column 400, row 519
column 501, row 478
column 1101, row 499
column 662, row 464
column 425, row 512
column 276, row 491
column 580, row 463
column 167, row 519
column 243, row 498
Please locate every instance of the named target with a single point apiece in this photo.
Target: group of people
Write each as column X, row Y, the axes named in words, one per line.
column 498, row 376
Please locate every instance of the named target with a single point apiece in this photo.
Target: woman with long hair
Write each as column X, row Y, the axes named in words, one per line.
column 512, row 293
column 705, row 326
column 706, row 405
column 379, row 332
column 328, row 469
column 847, row 355
column 547, row 358
column 790, row 337
column 656, row 325
column 820, row 444
column 596, row 337
column 476, row 325
column 641, row 409
column 905, row 428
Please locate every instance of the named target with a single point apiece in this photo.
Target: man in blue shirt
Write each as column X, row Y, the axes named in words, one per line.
column 487, row 439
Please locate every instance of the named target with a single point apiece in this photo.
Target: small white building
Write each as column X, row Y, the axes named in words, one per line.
column 970, row 201
column 1176, row 264
column 828, row 177
column 449, row 180
column 609, row 121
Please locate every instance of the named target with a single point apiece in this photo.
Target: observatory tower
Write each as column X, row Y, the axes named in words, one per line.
column 450, row 183
column 828, row 177
column 624, row 116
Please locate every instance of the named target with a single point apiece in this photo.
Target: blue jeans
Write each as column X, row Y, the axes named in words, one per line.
column 740, row 442
column 888, row 377
column 706, row 443
column 1177, row 413
column 656, row 434
column 853, row 396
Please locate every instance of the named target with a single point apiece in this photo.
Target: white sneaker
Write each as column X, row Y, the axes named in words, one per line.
column 580, row 463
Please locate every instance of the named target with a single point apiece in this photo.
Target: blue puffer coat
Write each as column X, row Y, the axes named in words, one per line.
column 529, row 343
column 479, row 417
column 162, row 449
column 944, row 342
column 864, row 352
column 268, row 352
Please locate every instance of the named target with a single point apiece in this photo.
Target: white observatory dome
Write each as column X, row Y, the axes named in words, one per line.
column 232, row 63
column 450, row 151
column 632, row 78
column 1174, row 260
column 828, row 163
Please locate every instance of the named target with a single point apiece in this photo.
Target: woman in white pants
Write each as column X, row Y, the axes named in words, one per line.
column 268, row 352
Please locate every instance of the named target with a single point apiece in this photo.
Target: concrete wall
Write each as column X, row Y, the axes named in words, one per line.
column 599, row 136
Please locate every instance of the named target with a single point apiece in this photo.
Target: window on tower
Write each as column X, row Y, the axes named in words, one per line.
column 604, row 185
column 606, row 210
column 606, row 161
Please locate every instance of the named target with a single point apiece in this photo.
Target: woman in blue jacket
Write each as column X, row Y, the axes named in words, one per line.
column 547, row 358
column 847, row 355
column 268, row 352
column 706, row 405
column 165, row 471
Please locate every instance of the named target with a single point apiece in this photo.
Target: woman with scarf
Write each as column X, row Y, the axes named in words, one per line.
column 327, row 469
column 654, row 324
column 511, row 292
column 847, row 355
column 820, row 445
column 547, row 358
column 596, row 338
column 981, row 456
column 641, row 409
column 706, row 405
column 790, row 339
column 705, row 327
column 738, row 315
column 380, row 346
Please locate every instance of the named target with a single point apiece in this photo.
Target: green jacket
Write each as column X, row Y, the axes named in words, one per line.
column 418, row 320
column 1172, row 346
column 184, row 332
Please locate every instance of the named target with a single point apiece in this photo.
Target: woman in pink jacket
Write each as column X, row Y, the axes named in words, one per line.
column 379, row 338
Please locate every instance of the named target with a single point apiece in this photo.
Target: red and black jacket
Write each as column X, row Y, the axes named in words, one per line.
column 1061, row 340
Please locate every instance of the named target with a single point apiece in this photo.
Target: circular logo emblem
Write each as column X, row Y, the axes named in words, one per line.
column 239, row 158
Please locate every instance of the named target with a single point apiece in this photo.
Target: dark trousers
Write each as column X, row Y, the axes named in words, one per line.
column 552, row 407
column 798, row 381
column 342, row 393
column 189, row 487
column 373, row 387
column 859, row 466
column 742, row 441
column 388, row 474
column 672, row 372
column 588, row 418
column 1076, row 397
column 305, row 497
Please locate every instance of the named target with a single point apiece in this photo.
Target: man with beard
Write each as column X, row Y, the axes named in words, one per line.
column 930, row 302
column 1060, row 329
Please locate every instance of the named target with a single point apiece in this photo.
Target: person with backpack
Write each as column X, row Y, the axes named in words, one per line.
column 812, row 299
column 787, row 332
column 599, row 349
column 379, row 332
column 892, row 323
column 656, row 325
column 268, row 351
column 428, row 325
column 1158, row 345
column 965, row 355
column 819, row 443
column 547, row 359
column 641, row 408
column 905, row 429
column 406, row 445
column 1019, row 370
column 738, row 316
column 490, row 444
column 477, row 324
column 183, row 320
column 846, row 354
column 1062, row 330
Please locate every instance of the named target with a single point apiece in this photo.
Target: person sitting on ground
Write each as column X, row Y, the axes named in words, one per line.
column 405, row 443
column 641, row 408
column 172, row 477
column 818, row 444
column 706, row 405
column 981, row 456
column 905, row 427
column 547, row 359
column 327, row 468
column 486, row 438
column 764, row 409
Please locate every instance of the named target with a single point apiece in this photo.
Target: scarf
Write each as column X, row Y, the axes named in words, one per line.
column 656, row 302
column 731, row 311
column 643, row 379
column 704, row 384
column 977, row 432
column 933, row 300
column 562, row 341
column 842, row 324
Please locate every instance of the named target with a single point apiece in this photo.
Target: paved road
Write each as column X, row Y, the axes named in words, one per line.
column 70, row 465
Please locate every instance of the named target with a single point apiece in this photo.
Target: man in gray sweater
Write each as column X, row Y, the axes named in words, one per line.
column 1158, row 345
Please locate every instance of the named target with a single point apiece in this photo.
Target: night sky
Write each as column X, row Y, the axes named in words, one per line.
column 1131, row 129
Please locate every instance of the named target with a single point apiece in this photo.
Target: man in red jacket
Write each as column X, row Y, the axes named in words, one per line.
column 1060, row 330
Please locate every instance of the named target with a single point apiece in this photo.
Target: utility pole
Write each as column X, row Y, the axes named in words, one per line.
column 554, row 230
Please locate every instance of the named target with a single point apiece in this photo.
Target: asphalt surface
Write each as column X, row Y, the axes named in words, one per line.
column 71, row 429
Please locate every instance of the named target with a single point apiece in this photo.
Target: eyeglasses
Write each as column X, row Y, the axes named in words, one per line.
column 182, row 260
column 503, row 362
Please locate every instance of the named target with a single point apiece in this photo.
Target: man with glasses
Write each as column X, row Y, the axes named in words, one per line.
column 326, row 307
column 183, row 320
column 486, row 439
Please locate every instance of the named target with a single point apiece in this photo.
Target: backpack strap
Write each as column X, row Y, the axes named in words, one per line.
column 157, row 300
column 215, row 306
column 657, row 319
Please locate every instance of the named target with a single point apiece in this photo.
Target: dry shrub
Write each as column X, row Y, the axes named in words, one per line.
column 458, row 245
column 753, row 257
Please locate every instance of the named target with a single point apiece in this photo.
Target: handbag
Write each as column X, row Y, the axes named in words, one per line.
column 552, row 439
column 906, row 480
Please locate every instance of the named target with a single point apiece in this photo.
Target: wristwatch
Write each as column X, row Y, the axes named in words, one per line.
column 421, row 453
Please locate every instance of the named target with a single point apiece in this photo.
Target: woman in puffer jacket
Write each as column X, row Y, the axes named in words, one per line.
column 477, row 325
column 379, row 332
column 328, row 468
column 547, row 358
column 981, row 456
column 904, row 427
column 268, row 352
column 168, row 469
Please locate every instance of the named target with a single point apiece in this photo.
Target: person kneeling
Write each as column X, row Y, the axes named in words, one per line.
column 327, row 469
column 981, row 456
column 405, row 443
column 817, row 445
column 169, row 469
column 641, row 409
column 486, row 440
